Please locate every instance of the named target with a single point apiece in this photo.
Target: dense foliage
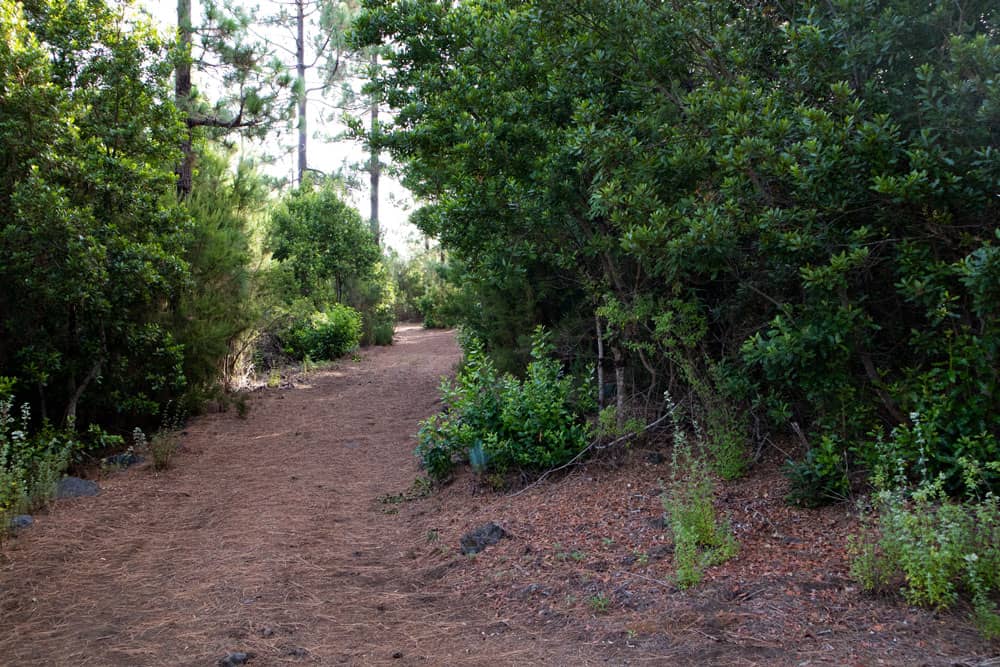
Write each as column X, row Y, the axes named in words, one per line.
column 92, row 242
column 327, row 256
column 122, row 304
column 322, row 240
column 501, row 423
column 326, row 334
column 787, row 208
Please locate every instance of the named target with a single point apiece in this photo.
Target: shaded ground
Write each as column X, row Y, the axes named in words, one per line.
column 298, row 535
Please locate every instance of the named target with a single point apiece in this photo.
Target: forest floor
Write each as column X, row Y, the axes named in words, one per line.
column 299, row 536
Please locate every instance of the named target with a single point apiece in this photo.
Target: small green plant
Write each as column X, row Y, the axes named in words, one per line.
column 599, row 603
column 242, row 405
column 608, row 427
column 822, row 477
column 274, row 380
column 162, row 446
column 700, row 540
column 578, row 556
column 30, row 463
column 420, row 488
column 165, row 441
column 641, row 557
column 935, row 548
column 608, row 541
column 433, row 535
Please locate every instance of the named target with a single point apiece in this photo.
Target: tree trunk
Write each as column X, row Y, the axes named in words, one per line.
column 182, row 95
column 300, row 69
column 600, row 363
column 77, row 392
column 374, row 166
column 619, row 358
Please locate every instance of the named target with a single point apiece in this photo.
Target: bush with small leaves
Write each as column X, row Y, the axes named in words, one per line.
column 502, row 423
column 935, row 548
column 700, row 540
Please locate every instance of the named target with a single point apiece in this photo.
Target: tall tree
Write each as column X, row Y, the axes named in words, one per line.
column 313, row 34
column 90, row 238
column 374, row 162
column 253, row 92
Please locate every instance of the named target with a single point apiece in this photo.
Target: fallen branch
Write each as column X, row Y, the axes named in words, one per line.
column 596, row 444
column 660, row 582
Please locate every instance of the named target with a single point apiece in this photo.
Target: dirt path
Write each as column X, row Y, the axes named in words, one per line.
column 275, row 536
column 267, row 538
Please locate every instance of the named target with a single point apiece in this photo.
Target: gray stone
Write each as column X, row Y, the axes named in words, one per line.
column 235, row 658
column 74, row 487
column 21, row 521
column 488, row 534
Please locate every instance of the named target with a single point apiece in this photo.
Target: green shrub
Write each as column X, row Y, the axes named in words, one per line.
column 700, row 540
column 30, row 464
column 383, row 333
column 375, row 298
column 503, row 422
column 539, row 427
column 472, row 410
column 820, row 478
column 325, row 334
column 936, row 548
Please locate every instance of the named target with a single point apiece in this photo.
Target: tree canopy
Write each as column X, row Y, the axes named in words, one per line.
column 785, row 211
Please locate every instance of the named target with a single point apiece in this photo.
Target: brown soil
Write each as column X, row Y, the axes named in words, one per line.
column 298, row 535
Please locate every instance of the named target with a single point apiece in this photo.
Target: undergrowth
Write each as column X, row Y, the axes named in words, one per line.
column 934, row 549
column 700, row 539
column 500, row 423
column 30, row 463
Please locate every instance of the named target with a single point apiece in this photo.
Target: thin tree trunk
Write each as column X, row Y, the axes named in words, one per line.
column 300, row 68
column 619, row 358
column 74, row 399
column 600, row 363
column 182, row 95
column 374, row 166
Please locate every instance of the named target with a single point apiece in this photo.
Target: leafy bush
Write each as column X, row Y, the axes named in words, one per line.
column 503, row 422
column 539, row 425
column 821, row 477
column 30, row 464
column 374, row 296
column 809, row 202
column 325, row 334
column 472, row 411
column 935, row 548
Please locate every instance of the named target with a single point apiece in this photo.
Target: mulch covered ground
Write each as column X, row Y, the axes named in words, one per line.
column 297, row 536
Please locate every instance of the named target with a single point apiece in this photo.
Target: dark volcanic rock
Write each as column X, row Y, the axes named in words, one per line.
column 21, row 521
column 74, row 487
column 488, row 534
column 235, row 658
